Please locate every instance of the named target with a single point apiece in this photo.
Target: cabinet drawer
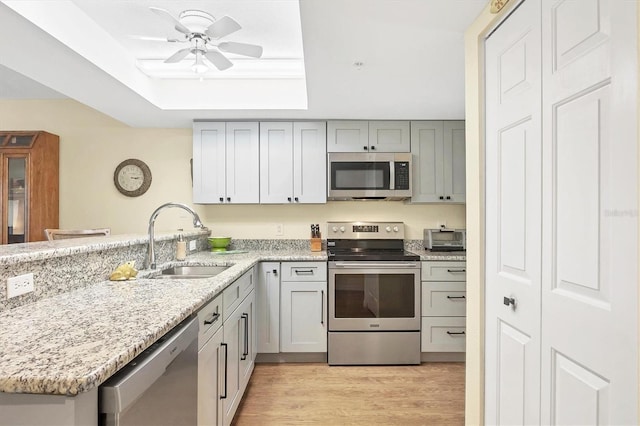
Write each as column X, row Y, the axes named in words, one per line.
column 209, row 320
column 303, row 271
column 447, row 299
column 233, row 295
column 444, row 271
column 438, row 334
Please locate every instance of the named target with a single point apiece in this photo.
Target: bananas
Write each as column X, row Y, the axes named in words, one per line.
column 124, row 272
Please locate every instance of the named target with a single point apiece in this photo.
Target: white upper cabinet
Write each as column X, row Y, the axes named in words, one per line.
column 225, row 163
column 293, row 162
column 438, row 149
column 368, row 136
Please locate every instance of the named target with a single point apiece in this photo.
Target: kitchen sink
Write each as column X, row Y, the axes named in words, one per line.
column 185, row 272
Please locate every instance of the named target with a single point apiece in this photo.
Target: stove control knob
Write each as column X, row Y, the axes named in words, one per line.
column 334, row 229
column 395, row 229
column 342, row 229
column 388, row 229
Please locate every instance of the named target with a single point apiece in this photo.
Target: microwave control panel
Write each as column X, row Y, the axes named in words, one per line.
column 401, row 174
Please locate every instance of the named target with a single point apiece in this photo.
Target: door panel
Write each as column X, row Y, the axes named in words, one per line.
column 276, row 162
column 209, row 179
column 243, row 162
column 513, row 219
column 310, row 162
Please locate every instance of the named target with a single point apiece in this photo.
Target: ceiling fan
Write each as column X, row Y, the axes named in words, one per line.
column 203, row 31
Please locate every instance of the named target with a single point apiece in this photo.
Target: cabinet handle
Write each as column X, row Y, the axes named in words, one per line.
column 222, row 199
column 226, row 353
column 214, row 318
column 275, row 272
column 448, row 197
column 296, row 199
column 289, row 199
column 452, row 333
column 456, row 270
column 441, row 197
column 228, row 199
column 373, row 148
column 456, row 297
column 365, row 148
column 303, row 271
column 322, row 307
column 246, row 337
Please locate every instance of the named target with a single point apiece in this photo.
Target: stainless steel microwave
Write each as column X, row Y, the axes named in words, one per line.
column 373, row 176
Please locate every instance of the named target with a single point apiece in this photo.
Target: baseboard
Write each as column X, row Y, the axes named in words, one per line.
column 442, row 356
column 293, row 357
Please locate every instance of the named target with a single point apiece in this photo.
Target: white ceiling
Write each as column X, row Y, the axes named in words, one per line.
column 411, row 50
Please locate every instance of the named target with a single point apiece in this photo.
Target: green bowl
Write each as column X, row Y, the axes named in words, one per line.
column 219, row 243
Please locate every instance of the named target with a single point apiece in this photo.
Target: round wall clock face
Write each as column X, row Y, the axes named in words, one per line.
column 132, row 177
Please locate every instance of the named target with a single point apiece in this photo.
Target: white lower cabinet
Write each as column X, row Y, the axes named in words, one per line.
column 443, row 306
column 303, row 307
column 268, row 307
column 209, row 364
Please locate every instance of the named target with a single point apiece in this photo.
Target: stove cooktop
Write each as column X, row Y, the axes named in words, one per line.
column 365, row 255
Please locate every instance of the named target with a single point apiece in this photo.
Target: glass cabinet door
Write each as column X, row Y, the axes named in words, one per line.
column 16, row 230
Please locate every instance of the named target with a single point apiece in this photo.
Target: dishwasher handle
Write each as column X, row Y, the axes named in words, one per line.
column 127, row 385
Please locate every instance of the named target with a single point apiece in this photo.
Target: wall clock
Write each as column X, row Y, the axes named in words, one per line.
column 132, row 177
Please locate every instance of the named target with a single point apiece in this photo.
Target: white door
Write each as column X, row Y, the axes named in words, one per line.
column 247, row 341
column 513, row 220
column 426, row 150
column 209, row 168
column 589, row 296
column 233, row 330
column 243, row 163
column 310, row 162
column 276, row 162
column 268, row 307
column 303, row 313
column 453, row 149
column 347, row 136
column 389, row 136
column 210, row 362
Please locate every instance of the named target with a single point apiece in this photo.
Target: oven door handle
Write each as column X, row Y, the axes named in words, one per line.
column 361, row 265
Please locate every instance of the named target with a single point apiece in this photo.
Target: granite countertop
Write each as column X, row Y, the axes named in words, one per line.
column 72, row 342
column 440, row 255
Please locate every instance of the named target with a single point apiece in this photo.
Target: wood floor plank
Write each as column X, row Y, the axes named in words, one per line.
column 317, row 394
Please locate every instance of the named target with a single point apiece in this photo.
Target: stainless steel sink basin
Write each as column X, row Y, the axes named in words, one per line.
column 185, row 272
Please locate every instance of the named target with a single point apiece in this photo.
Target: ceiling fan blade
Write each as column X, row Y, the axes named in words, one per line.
column 150, row 38
column 178, row 56
column 222, row 27
column 245, row 49
column 169, row 17
column 218, row 59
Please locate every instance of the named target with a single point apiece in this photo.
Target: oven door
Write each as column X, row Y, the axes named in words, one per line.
column 374, row 296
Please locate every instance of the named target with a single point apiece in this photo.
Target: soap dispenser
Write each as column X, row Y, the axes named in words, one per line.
column 181, row 248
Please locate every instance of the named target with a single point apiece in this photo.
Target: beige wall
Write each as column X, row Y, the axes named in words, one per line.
column 92, row 144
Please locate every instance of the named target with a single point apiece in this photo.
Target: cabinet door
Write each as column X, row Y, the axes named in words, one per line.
column 210, row 362
column 303, row 318
column 310, row 162
column 454, row 161
column 276, row 163
column 233, row 344
column 242, row 163
column 268, row 307
column 427, row 155
column 247, row 333
column 389, row 136
column 347, row 136
column 209, row 164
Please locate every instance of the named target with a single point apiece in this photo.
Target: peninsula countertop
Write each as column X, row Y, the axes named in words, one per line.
column 72, row 342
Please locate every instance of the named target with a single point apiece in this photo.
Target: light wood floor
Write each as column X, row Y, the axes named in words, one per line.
column 316, row 394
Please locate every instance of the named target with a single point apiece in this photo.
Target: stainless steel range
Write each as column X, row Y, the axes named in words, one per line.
column 374, row 295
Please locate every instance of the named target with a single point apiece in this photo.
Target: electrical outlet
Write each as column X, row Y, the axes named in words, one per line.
column 19, row 285
column 192, row 245
column 279, row 230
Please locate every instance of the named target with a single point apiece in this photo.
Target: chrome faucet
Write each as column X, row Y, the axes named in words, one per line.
column 151, row 254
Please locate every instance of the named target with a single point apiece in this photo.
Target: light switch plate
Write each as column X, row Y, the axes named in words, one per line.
column 192, row 245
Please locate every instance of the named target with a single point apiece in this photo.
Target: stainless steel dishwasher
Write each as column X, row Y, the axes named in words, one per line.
column 159, row 386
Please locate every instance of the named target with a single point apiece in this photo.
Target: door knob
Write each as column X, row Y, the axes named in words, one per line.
column 509, row 301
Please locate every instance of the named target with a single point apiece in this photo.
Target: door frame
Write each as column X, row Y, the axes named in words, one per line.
column 475, row 37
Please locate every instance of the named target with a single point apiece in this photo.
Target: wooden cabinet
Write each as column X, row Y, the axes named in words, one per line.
column 226, row 163
column 368, row 136
column 438, row 149
column 443, row 306
column 293, row 162
column 268, row 307
column 303, row 307
column 29, row 173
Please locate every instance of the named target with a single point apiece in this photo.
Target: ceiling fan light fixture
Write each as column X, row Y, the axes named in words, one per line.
column 199, row 67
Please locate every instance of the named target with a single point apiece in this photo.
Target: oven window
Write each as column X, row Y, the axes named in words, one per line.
column 374, row 295
column 360, row 175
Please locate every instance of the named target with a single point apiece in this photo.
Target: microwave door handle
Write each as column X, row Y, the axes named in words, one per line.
column 392, row 175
